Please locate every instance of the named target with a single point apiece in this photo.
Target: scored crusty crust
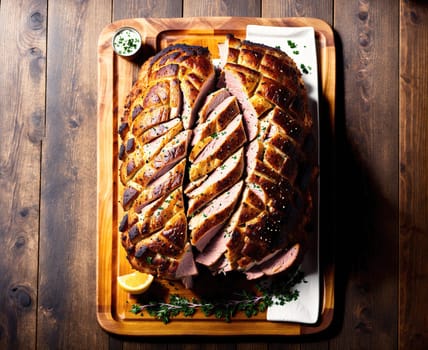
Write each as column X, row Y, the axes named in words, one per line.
column 261, row 229
column 154, row 139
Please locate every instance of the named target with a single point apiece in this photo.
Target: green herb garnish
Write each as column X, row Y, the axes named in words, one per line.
column 305, row 70
column 291, row 44
column 250, row 303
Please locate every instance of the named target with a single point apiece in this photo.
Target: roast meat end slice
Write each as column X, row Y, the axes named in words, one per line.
column 280, row 67
column 260, row 105
column 251, row 55
column 284, row 143
column 170, row 240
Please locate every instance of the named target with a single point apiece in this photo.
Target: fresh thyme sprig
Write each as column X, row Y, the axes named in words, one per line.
column 250, row 303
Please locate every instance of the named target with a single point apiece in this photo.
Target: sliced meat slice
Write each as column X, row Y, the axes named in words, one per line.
column 149, row 118
column 171, row 153
column 278, row 263
column 219, row 149
column 175, row 99
column 229, row 50
column 157, row 94
column 197, row 80
column 186, row 266
column 151, row 149
column 141, row 155
column 224, row 177
column 154, row 216
column 171, row 239
column 131, row 163
column 194, row 184
column 209, row 221
column 242, row 82
column 215, row 248
column 158, row 130
column 218, row 119
column 211, row 102
column 264, row 128
column 134, row 212
column 130, row 194
column 164, row 184
column 249, row 208
column 167, row 253
column 199, row 147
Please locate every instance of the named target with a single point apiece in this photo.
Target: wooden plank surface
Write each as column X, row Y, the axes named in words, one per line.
column 22, row 95
column 47, row 227
column 367, row 173
column 413, row 272
column 67, row 249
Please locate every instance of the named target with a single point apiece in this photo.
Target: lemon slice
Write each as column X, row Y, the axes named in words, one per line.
column 135, row 282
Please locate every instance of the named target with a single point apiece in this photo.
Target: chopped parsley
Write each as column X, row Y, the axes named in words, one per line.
column 305, row 69
column 291, row 44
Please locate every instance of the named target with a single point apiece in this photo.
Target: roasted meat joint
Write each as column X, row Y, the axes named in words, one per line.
column 217, row 163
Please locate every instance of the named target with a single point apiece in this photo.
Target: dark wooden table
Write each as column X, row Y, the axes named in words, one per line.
column 376, row 223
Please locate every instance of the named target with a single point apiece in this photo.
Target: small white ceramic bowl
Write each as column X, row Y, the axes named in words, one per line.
column 126, row 42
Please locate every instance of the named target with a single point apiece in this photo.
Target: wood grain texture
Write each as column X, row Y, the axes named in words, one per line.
column 413, row 273
column 301, row 8
column 67, row 225
column 143, row 9
column 22, row 80
column 197, row 8
column 47, row 166
column 367, row 166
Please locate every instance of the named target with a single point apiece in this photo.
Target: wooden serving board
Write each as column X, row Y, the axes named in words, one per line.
column 115, row 78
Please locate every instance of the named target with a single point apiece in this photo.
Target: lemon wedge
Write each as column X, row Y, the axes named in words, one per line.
column 135, row 282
